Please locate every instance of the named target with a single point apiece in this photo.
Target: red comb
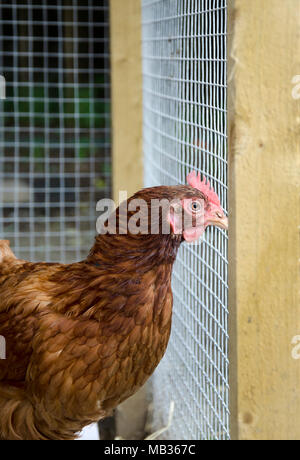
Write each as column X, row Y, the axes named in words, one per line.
column 204, row 187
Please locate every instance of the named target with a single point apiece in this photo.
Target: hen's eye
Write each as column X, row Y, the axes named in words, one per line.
column 195, row 206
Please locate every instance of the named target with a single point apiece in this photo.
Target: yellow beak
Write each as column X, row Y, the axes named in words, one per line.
column 219, row 222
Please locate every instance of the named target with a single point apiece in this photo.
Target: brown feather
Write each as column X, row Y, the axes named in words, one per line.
column 83, row 337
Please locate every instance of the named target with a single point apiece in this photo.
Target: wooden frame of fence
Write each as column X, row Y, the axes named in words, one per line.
column 126, row 71
column 264, row 219
column 127, row 122
column 264, row 167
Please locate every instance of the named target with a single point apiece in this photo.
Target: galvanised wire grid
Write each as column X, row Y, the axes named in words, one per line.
column 184, row 66
column 55, row 125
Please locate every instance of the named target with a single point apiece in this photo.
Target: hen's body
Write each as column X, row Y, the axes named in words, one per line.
column 80, row 338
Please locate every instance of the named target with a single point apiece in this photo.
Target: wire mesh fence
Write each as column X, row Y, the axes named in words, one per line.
column 184, row 67
column 54, row 125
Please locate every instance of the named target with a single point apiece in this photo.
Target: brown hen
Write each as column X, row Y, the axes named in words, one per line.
column 81, row 338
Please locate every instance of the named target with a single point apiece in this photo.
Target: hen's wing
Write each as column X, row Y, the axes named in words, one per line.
column 21, row 304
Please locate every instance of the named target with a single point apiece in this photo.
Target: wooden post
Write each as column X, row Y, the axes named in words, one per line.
column 127, row 122
column 126, row 83
column 264, row 231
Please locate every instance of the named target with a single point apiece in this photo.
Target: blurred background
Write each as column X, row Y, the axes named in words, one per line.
column 55, row 161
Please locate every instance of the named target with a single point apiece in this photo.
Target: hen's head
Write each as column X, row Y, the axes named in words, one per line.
column 148, row 228
column 210, row 209
column 185, row 211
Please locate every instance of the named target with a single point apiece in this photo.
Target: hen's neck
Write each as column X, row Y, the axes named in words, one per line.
column 134, row 252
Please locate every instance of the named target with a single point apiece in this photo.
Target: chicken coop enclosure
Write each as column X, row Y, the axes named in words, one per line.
column 55, row 125
column 215, row 80
column 184, row 88
column 110, row 95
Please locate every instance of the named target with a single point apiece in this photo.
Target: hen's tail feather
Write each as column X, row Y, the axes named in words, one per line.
column 17, row 416
column 18, row 421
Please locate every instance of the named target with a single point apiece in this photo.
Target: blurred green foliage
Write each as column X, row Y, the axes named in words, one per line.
column 83, row 113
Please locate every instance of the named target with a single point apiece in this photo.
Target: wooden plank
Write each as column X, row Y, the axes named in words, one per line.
column 127, row 116
column 126, row 70
column 264, row 225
